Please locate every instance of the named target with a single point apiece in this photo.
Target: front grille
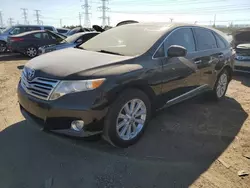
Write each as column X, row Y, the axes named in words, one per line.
column 242, row 68
column 38, row 87
column 242, row 52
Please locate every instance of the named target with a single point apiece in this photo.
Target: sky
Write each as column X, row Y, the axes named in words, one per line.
column 200, row 11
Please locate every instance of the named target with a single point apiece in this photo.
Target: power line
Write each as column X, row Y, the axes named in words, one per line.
column 11, row 21
column 25, row 15
column 86, row 13
column 1, row 19
column 104, row 8
column 38, row 15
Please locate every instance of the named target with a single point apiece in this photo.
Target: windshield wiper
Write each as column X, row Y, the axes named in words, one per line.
column 108, row 52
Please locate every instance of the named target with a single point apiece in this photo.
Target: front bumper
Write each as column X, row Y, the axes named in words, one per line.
column 57, row 115
column 242, row 66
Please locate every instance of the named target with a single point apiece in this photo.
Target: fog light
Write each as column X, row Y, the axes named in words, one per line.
column 77, row 125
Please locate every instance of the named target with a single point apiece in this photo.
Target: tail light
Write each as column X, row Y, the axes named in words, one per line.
column 16, row 39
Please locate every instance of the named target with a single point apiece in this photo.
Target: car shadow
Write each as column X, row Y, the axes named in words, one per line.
column 12, row 57
column 244, row 78
column 180, row 143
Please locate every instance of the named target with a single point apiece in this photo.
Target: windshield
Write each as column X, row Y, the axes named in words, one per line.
column 72, row 38
column 6, row 29
column 128, row 40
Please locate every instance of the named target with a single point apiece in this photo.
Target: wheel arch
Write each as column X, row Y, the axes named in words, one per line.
column 140, row 85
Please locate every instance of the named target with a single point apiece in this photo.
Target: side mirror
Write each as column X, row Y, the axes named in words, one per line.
column 176, row 51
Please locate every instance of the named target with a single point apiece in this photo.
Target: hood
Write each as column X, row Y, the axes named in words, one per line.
column 241, row 37
column 244, row 46
column 64, row 63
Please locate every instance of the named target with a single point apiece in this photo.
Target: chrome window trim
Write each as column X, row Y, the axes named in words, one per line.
column 182, row 27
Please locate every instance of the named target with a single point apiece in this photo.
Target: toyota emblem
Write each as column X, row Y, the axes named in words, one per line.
column 30, row 73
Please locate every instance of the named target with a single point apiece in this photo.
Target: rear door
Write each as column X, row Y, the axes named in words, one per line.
column 207, row 56
column 180, row 74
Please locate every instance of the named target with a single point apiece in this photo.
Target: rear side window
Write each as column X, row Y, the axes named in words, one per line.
column 183, row 37
column 32, row 28
column 220, row 42
column 205, row 39
column 38, row 35
column 48, row 28
column 88, row 36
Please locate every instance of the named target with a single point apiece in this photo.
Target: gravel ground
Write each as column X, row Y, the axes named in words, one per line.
column 197, row 143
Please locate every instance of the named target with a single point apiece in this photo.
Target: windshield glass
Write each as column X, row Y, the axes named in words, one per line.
column 72, row 38
column 128, row 40
column 6, row 29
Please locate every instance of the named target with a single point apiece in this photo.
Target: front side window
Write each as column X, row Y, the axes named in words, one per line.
column 220, row 42
column 182, row 37
column 205, row 39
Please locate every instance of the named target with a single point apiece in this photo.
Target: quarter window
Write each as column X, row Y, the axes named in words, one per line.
column 205, row 39
column 183, row 37
column 220, row 42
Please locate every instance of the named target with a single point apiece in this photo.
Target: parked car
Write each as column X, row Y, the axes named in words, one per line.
column 62, row 30
column 241, row 43
column 18, row 29
column 28, row 43
column 71, row 41
column 116, row 80
column 78, row 30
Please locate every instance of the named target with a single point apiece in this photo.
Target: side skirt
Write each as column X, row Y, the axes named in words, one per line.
column 186, row 96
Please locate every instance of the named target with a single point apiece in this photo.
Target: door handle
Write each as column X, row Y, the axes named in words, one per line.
column 198, row 62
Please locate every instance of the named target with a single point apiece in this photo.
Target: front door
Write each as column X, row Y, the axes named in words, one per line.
column 180, row 74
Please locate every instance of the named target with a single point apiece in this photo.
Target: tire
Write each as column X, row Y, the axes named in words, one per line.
column 3, row 47
column 112, row 133
column 31, row 52
column 218, row 93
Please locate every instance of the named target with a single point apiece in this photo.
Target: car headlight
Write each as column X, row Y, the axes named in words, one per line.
column 66, row 87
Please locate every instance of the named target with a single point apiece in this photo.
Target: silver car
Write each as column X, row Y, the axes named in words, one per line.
column 17, row 29
column 70, row 42
column 241, row 44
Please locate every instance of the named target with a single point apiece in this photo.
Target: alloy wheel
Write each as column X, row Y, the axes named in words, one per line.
column 131, row 119
column 222, row 85
column 31, row 52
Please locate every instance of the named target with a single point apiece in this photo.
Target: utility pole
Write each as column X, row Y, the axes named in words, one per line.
column 38, row 15
column 80, row 19
column 214, row 19
column 104, row 8
column 1, row 19
column 108, row 21
column 86, row 13
column 11, row 21
column 171, row 19
column 60, row 22
column 25, row 15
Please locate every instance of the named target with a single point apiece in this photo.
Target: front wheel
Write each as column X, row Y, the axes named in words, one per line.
column 221, row 85
column 127, row 118
column 31, row 52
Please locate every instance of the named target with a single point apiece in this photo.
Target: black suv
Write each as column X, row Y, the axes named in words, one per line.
column 112, row 83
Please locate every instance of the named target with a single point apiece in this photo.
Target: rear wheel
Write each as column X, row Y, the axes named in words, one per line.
column 31, row 51
column 3, row 46
column 127, row 118
column 221, row 85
